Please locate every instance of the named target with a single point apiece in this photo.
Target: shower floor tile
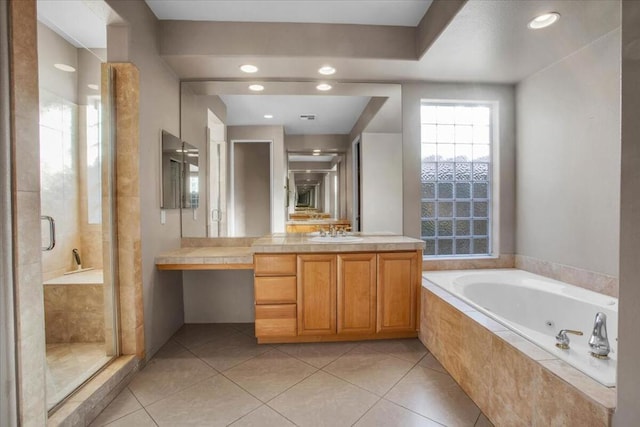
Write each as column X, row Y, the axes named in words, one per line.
column 69, row 365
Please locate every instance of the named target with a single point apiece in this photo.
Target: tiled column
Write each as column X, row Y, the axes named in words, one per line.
column 26, row 213
column 127, row 188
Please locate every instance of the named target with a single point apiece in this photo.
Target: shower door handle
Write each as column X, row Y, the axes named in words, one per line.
column 52, row 233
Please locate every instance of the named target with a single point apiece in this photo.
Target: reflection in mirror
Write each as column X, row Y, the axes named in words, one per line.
column 179, row 173
column 191, row 194
column 298, row 121
column 316, row 185
column 171, row 170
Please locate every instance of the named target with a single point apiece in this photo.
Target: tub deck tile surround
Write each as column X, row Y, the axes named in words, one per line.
column 597, row 282
column 513, row 381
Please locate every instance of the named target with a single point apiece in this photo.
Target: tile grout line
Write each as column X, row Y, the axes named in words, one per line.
column 180, row 390
column 256, row 397
column 143, row 407
column 397, row 382
column 122, row 416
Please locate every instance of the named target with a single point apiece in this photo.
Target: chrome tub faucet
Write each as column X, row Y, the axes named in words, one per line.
column 562, row 340
column 599, row 343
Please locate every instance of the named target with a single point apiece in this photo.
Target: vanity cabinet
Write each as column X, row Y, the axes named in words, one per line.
column 316, row 294
column 398, row 275
column 275, row 295
column 336, row 296
column 356, row 297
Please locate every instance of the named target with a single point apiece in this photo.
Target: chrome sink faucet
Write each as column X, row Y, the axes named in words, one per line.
column 599, row 343
column 562, row 340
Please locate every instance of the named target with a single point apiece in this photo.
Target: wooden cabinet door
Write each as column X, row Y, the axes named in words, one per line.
column 316, row 294
column 357, row 293
column 398, row 284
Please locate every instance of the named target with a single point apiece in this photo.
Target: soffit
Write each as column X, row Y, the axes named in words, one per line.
column 487, row 41
column 361, row 12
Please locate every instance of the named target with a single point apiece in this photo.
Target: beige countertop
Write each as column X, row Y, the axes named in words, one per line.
column 206, row 258
column 282, row 242
column 241, row 257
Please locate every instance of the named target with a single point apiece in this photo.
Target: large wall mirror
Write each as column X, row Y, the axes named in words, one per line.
column 288, row 153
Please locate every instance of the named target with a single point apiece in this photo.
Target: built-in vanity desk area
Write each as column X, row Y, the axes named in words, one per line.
column 311, row 288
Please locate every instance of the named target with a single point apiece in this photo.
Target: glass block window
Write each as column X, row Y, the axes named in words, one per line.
column 456, row 178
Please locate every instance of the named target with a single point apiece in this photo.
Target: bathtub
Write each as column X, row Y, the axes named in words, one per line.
column 536, row 308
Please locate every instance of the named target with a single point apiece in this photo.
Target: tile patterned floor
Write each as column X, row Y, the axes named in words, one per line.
column 217, row 375
column 69, row 365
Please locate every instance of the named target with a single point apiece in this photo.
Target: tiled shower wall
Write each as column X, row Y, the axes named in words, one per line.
column 30, row 340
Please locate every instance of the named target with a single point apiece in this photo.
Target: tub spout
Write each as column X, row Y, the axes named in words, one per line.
column 562, row 340
column 599, row 343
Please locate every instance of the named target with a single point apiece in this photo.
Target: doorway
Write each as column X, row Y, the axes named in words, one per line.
column 251, row 188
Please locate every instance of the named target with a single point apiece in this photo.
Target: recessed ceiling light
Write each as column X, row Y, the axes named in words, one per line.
column 94, row 87
column 268, row 116
column 327, row 70
column 256, row 88
column 248, row 68
column 65, row 67
column 316, row 154
column 317, row 150
column 323, row 87
column 308, row 171
column 544, row 20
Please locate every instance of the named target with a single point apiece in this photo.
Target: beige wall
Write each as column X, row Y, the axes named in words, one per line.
column 381, row 182
column 568, row 159
column 218, row 296
column 628, row 412
column 159, row 109
column 412, row 93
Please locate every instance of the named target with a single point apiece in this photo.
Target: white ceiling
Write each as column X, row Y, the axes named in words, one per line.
column 369, row 12
column 334, row 114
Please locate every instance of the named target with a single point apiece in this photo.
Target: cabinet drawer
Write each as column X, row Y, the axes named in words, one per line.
column 275, row 290
column 275, row 265
column 276, row 320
